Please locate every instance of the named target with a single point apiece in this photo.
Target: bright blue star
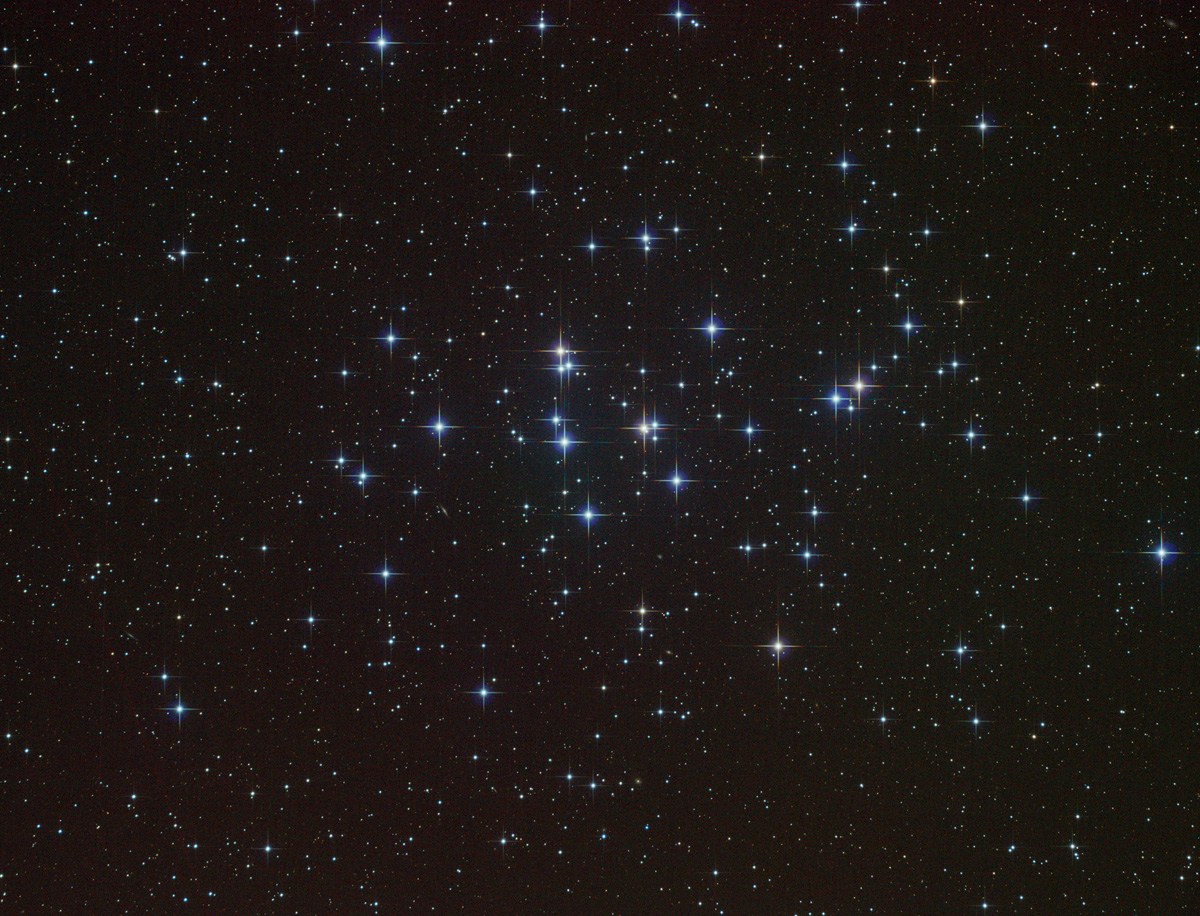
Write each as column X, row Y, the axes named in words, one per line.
column 1165, row 553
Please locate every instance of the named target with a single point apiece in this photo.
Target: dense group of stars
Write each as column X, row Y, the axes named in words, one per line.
column 600, row 458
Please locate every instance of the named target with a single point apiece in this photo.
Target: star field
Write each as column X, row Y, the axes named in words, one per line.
column 599, row 458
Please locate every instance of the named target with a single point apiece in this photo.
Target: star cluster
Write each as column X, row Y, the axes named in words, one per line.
column 600, row 458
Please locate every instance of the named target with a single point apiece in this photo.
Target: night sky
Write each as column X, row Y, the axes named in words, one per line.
column 600, row 458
